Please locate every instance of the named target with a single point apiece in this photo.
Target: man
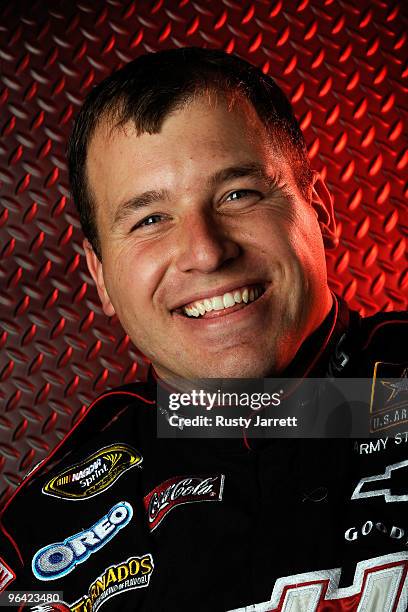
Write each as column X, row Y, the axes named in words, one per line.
column 205, row 233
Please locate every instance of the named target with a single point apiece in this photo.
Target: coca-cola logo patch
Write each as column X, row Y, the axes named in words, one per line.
column 181, row 490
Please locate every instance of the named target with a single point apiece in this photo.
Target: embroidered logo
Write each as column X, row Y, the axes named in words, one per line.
column 6, row 575
column 379, row 584
column 381, row 485
column 134, row 573
column 131, row 574
column 369, row 527
column 181, row 490
column 95, row 474
column 389, row 396
column 59, row 559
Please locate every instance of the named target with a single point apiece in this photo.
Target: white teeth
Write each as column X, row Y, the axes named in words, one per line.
column 201, row 308
column 208, row 305
column 228, row 300
column 217, row 303
column 220, row 302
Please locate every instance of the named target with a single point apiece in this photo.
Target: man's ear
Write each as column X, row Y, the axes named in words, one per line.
column 96, row 270
column 322, row 203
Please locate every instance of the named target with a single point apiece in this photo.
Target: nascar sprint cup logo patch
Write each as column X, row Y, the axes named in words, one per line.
column 181, row 490
column 95, row 474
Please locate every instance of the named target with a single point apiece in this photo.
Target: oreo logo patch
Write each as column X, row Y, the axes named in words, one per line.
column 58, row 559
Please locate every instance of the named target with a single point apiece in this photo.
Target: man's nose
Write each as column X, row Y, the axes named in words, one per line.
column 204, row 244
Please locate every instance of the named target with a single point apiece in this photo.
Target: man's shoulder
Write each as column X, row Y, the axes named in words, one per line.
column 100, row 424
column 142, row 391
column 381, row 321
column 95, row 457
column 103, row 412
column 386, row 332
column 380, row 338
column 106, row 405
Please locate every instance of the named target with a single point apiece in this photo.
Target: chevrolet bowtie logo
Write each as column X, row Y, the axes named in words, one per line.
column 383, row 485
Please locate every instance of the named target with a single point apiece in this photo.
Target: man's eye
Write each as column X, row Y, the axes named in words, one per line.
column 151, row 220
column 240, row 193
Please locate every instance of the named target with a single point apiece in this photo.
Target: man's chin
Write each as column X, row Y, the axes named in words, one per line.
column 237, row 367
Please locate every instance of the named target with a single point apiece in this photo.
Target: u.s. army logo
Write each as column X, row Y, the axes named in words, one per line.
column 389, row 396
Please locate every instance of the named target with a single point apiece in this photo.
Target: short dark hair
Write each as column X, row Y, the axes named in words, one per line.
column 147, row 89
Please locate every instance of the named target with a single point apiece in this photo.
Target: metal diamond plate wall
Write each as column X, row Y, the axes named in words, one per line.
column 342, row 64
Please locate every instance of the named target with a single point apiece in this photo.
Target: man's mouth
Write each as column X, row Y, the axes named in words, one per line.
column 232, row 300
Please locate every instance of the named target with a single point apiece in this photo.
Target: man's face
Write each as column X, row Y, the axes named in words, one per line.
column 206, row 217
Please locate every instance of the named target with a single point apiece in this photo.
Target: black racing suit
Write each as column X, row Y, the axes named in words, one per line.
column 118, row 519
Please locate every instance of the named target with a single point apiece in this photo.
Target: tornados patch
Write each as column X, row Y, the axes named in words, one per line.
column 181, row 490
column 95, row 474
column 134, row 573
column 57, row 560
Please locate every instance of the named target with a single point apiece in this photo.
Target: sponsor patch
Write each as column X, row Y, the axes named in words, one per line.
column 131, row 574
column 379, row 584
column 56, row 560
column 95, row 474
column 181, row 490
column 389, row 398
column 6, row 575
column 394, row 478
column 374, row 527
column 134, row 573
column 368, row 448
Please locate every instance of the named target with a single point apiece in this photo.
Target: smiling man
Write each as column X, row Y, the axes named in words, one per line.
column 206, row 239
column 206, row 231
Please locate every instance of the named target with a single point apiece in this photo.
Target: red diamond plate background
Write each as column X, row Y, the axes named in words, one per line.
column 341, row 63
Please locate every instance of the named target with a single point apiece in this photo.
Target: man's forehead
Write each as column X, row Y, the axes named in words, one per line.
column 122, row 162
column 107, row 134
column 209, row 108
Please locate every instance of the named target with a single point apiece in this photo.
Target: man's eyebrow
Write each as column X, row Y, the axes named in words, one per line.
column 252, row 170
column 147, row 198
column 139, row 201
